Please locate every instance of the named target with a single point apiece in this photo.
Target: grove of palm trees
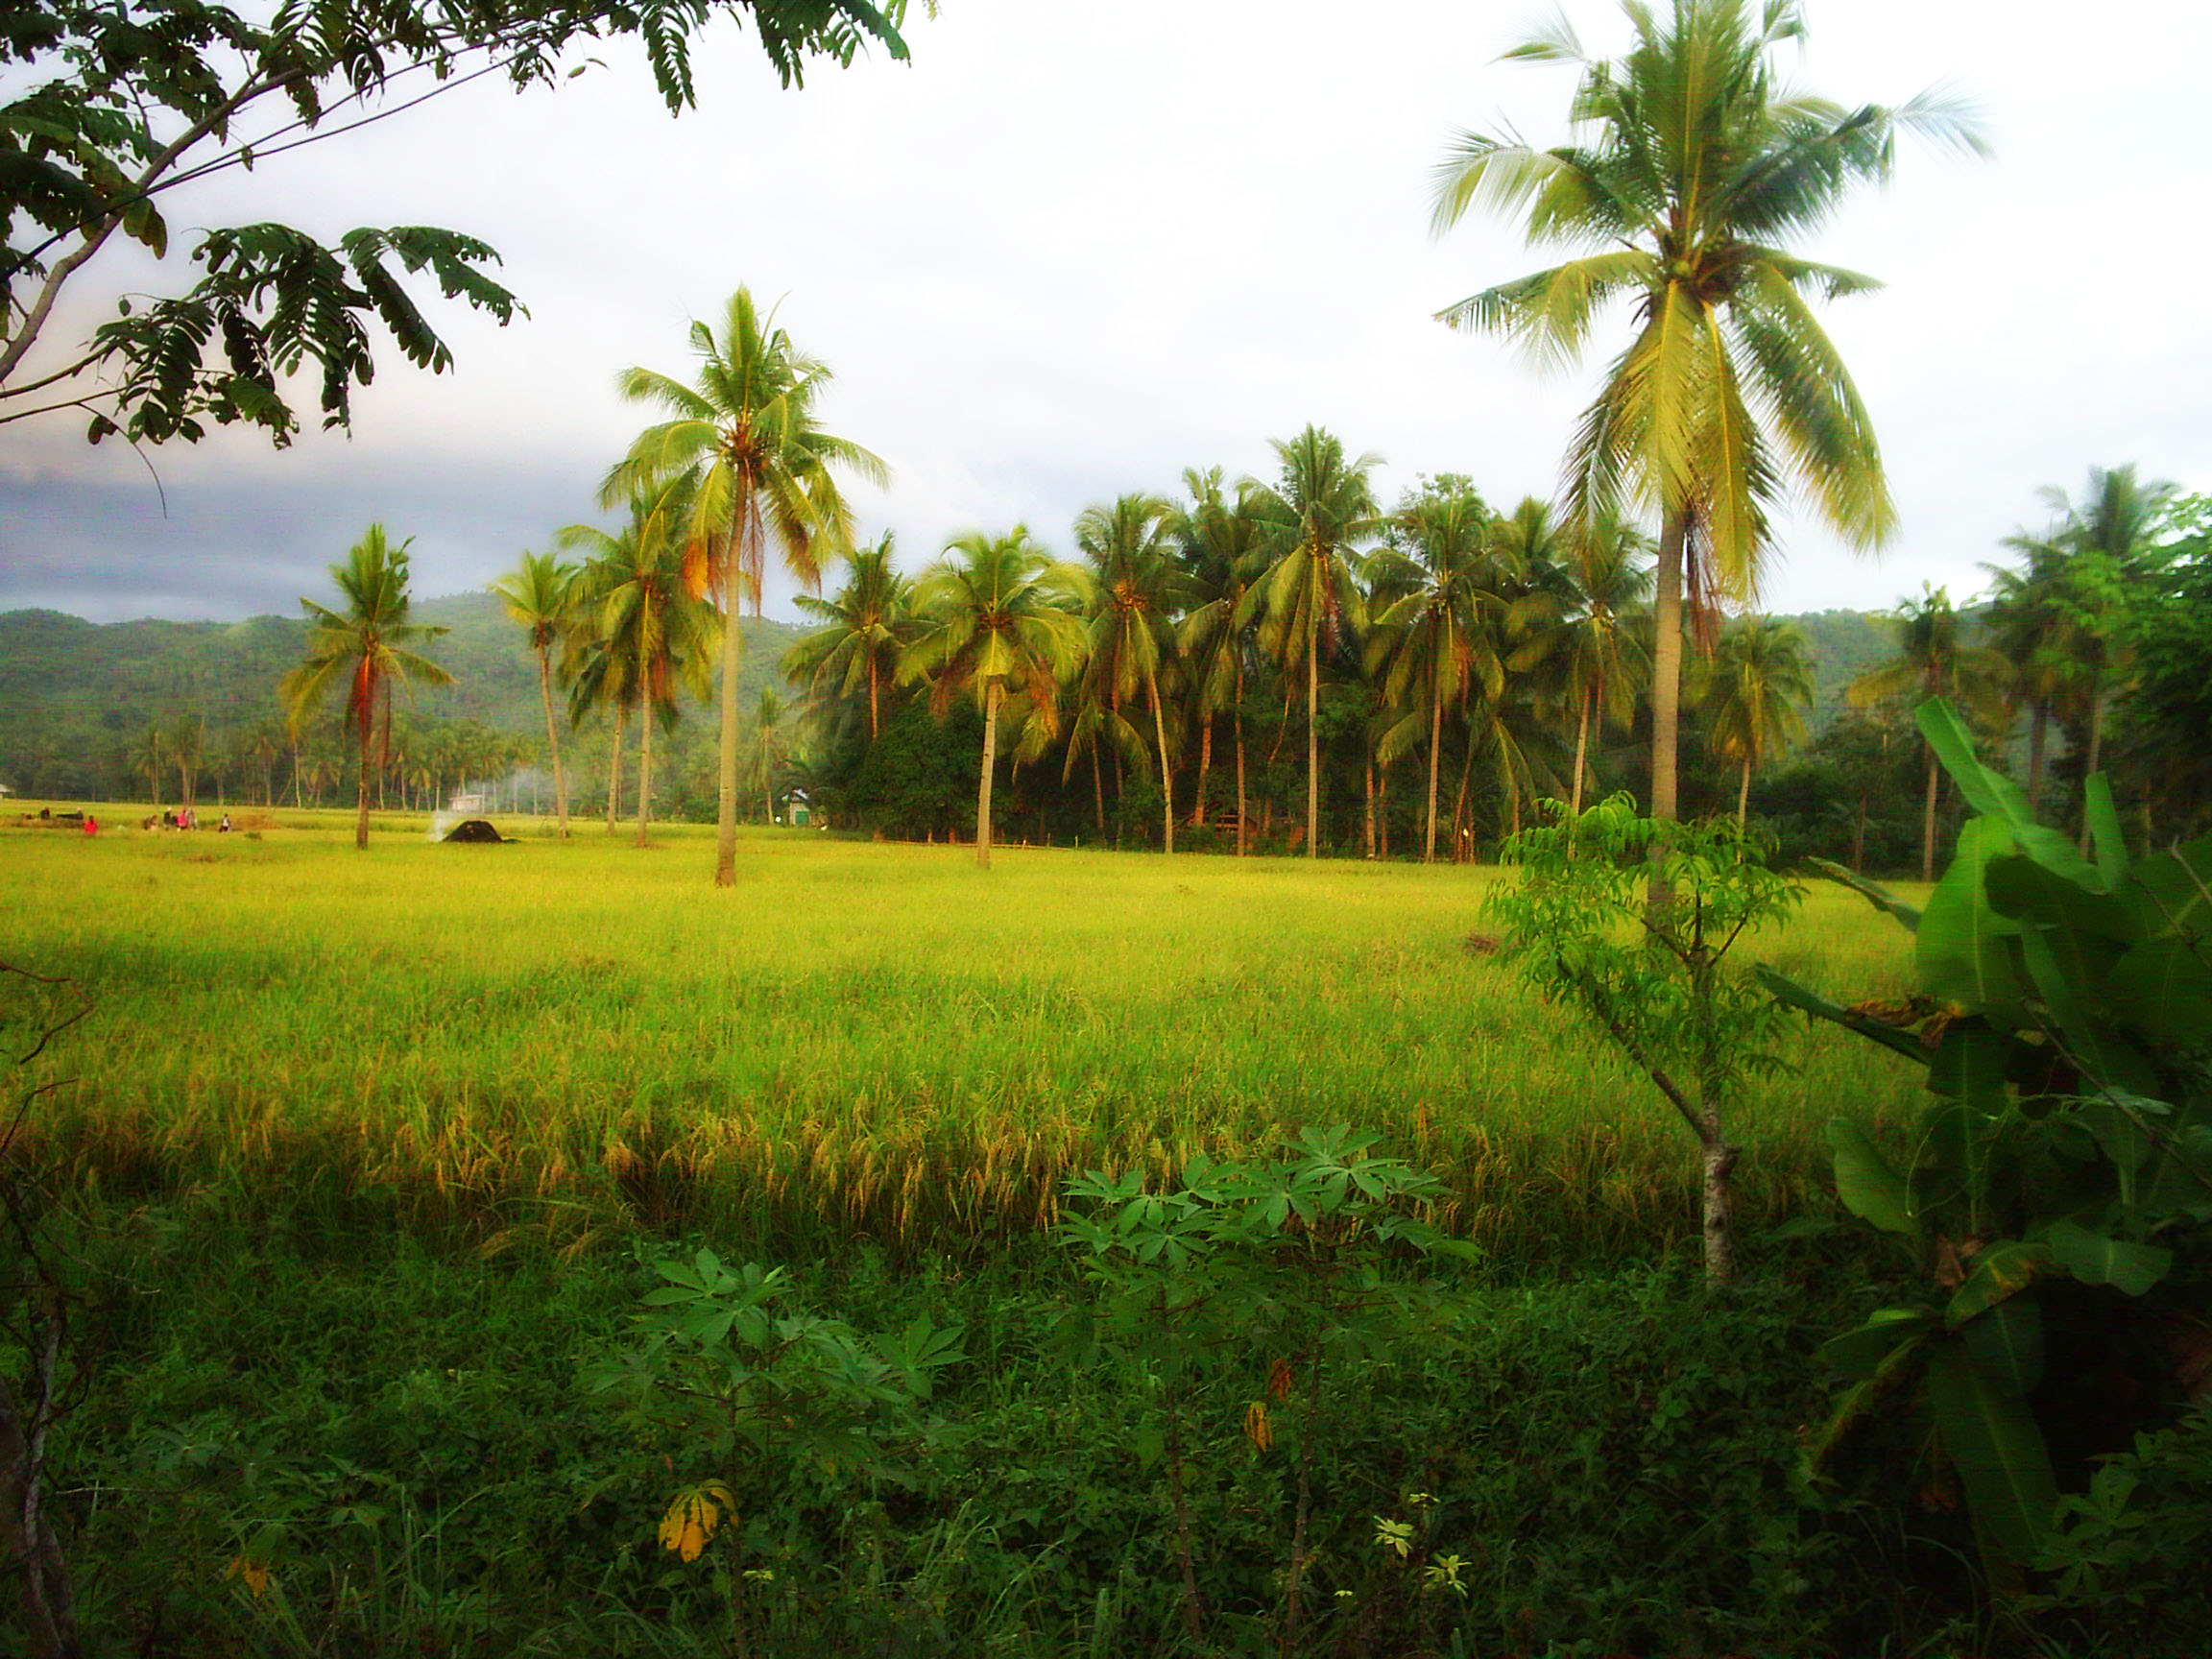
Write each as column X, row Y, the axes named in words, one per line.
column 1276, row 1065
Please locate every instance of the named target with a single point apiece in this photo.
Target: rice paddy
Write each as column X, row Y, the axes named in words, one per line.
column 558, row 1040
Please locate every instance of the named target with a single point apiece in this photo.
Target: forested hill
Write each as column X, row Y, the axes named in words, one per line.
column 75, row 695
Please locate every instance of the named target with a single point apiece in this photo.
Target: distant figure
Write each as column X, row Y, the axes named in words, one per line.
column 224, row 828
column 91, row 825
column 168, row 819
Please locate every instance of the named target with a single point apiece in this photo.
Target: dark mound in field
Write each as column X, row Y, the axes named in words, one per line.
column 474, row 830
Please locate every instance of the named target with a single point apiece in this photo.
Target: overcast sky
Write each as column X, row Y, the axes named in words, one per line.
column 1069, row 250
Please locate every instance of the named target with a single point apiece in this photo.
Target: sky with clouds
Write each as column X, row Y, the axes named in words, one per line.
column 1069, row 250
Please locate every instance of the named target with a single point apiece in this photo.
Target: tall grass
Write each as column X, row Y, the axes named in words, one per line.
column 555, row 1038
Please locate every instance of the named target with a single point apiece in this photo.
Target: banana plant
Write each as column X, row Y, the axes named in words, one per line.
column 2065, row 1018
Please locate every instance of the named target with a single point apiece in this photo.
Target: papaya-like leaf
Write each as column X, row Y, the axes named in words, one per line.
column 2065, row 967
column 1991, row 794
column 1861, row 1353
column 1787, row 991
column 1870, row 1187
column 2105, row 833
column 1962, row 946
column 1876, row 895
column 2097, row 1259
column 2000, row 1272
column 2005, row 1343
column 1998, row 1453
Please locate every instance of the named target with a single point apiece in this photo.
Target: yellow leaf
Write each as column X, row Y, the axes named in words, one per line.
column 252, row 1574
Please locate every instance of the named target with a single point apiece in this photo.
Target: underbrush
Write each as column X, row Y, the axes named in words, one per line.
column 352, row 1445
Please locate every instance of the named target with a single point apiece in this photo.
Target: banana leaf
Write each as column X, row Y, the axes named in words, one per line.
column 1998, row 1451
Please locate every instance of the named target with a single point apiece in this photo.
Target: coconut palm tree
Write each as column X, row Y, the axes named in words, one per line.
column 1320, row 513
column 747, row 431
column 1222, row 557
column 1700, row 161
column 1426, row 646
column 999, row 615
column 536, row 594
column 646, row 633
column 1751, row 689
column 368, row 643
column 1601, row 578
column 864, row 628
column 1137, row 592
column 1933, row 661
column 769, row 749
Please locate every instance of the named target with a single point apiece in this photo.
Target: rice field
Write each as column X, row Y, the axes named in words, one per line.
column 556, row 1041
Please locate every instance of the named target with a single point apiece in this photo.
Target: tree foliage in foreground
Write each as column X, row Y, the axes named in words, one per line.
column 124, row 104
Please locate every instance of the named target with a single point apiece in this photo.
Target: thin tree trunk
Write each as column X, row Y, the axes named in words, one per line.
column 1098, row 788
column 1367, row 828
column 614, row 772
column 1928, row 821
column 1243, row 840
column 1581, row 752
column 1383, row 812
column 1205, row 763
column 732, row 651
column 296, row 803
column 1666, row 696
column 1858, row 839
column 361, row 818
column 1313, row 739
column 1167, row 775
column 644, row 770
column 1435, row 755
column 553, row 738
column 874, row 727
column 1744, row 796
column 983, row 784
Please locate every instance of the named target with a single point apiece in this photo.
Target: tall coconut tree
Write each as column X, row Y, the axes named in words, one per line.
column 864, row 627
column 1753, row 688
column 1603, row 577
column 368, row 643
column 646, row 633
column 1314, row 521
column 2033, row 624
column 1137, row 592
column 1427, row 645
column 1934, row 660
column 748, row 431
column 1698, row 163
column 999, row 615
column 538, row 596
column 1222, row 556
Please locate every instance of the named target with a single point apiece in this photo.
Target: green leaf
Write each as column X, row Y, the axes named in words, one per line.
column 2061, row 980
column 2005, row 1343
column 1991, row 794
column 1870, row 1189
column 1960, row 948
column 2163, row 989
column 1860, row 1353
column 2026, row 891
column 1787, row 991
column 1969, row 1065
column 2000, row 1273
column 2180, row 887
column 2105, row 831
column 1881, row 898
column 2095, row 1258
column 1997, row 1449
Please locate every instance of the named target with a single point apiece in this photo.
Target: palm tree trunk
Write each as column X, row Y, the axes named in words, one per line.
column 1098, row 789
column 1205, row 764
column 644, row 772
column 553, row 737
column 1858, row 839
column 733, row 650
column 1581, row 752
column 614, row 772
column 875, row 725
column 361, row 818
column 1313, row 739
column 1237, row 721
column 1166, row 776
column 296, row 803
column 1928, row 820
column 983, row 784
column 1367, row 831
column 1666, row 694
column 1435, row 755
column 1743, row 795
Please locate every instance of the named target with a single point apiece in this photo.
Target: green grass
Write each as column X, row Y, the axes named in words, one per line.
column 560, row 1039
